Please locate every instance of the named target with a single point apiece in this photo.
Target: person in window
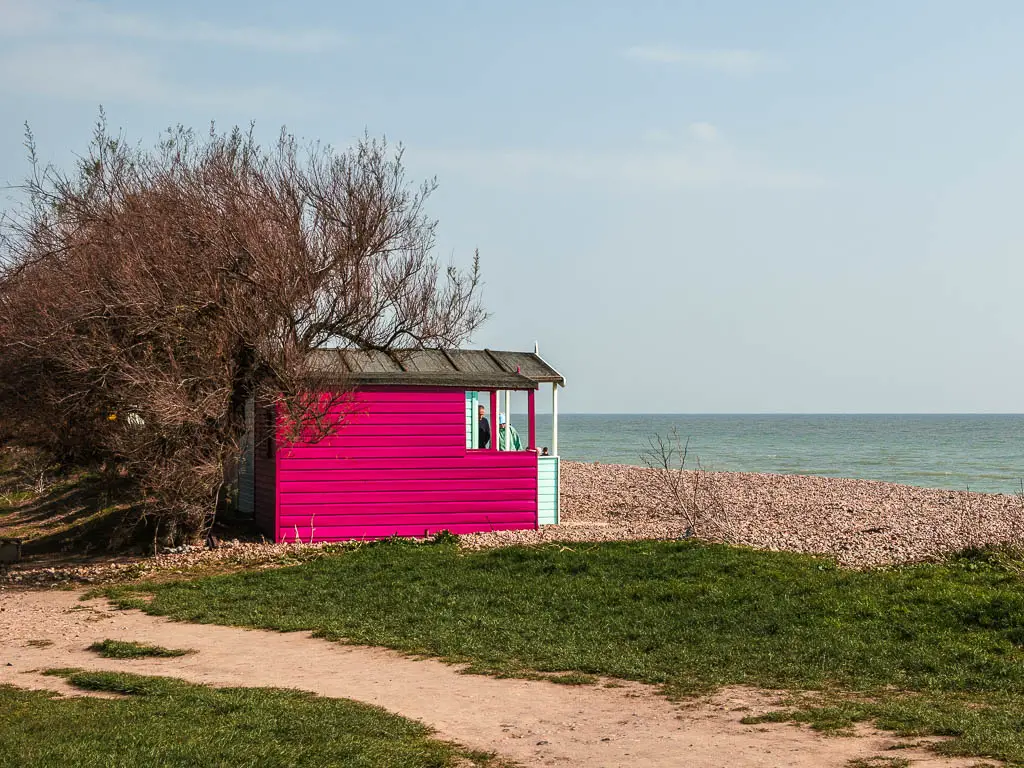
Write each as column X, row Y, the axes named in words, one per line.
column 508, row 438
column 483, row 429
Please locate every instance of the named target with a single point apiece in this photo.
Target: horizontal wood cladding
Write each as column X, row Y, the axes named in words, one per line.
column 425, row 450
column 468, row 492
column 398, row 429
column 494, row 517
column 371, row 532
column 406, row 439
column 400, row 476
column 481, row 459
column 398, row 465
column 384, row 485
column 399, row 419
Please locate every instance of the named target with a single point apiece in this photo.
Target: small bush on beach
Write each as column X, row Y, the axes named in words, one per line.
column 124, row 649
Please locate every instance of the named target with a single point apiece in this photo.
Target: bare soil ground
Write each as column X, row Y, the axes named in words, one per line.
column 532, row 722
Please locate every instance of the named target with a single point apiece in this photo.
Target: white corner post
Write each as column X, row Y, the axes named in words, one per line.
column 508, row 420
column 499, row 403
column 554, row 418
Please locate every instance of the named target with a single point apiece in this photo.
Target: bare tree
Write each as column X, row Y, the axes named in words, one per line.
column 692, row 494
column 146, row 295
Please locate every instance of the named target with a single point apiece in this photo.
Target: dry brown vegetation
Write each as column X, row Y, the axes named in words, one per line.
column 684, row 490
column 145, row 296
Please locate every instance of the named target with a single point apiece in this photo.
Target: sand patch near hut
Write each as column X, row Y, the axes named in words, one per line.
column 534, row 723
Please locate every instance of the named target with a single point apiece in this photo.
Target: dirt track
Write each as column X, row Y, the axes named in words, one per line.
column 533, row 723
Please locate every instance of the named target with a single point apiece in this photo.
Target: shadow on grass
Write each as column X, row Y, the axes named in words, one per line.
column 73, row 509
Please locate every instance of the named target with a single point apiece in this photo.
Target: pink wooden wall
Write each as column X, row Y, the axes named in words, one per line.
column 399, row 466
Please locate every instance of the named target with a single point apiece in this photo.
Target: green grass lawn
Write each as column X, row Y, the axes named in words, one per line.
column 928, row 649
column 164, row 722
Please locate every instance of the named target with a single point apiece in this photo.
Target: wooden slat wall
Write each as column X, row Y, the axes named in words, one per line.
column 547, row 490
column 400, row 466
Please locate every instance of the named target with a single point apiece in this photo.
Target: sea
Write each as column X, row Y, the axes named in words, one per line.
column 958, row 452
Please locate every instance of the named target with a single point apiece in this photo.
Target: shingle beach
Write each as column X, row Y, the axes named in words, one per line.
column 860, row 523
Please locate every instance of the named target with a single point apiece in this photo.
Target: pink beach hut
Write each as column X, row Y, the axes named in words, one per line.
column 405, row 459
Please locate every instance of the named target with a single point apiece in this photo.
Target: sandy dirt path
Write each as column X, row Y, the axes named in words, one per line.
column 532, row 723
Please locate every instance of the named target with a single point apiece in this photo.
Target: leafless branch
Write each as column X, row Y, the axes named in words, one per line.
column 693, row 495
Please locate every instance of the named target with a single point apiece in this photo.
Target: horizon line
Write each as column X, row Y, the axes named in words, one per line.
column 779, row 413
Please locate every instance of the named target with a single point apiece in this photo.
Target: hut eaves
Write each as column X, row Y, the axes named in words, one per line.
column 463, row 368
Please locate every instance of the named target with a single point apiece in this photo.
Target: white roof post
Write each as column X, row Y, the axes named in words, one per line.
column 508, row 420
column 554, row 418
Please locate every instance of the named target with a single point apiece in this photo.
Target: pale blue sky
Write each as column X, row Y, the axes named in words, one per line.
column 693, row 206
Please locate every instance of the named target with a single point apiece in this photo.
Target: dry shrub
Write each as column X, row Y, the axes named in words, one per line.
column 147, row 295
column 692, row 494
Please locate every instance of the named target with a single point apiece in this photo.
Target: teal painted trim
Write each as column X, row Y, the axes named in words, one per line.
column 548, row 490
column 472, row 435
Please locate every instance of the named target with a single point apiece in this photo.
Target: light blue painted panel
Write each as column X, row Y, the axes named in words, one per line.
column 547, row 490
column 472, row 436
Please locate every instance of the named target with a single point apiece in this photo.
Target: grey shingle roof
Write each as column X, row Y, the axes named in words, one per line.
column 467, row 368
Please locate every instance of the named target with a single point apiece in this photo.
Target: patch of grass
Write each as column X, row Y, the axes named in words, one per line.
column 127, row 649
column 684, row 615
column 166, row 722
column 572, row 678
column 14, row 498
column 878, row 762
column 990, row 726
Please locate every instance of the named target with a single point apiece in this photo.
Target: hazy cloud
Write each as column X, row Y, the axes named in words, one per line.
column 735, row 62
column 30, row 18
column 92, row 73
column 21, row 17
column 84, row 51
column 705, row 132
column 668, row 168
column 257, row 38
column 699, row 157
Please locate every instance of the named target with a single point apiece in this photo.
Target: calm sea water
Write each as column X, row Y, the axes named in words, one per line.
column 983, row 452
